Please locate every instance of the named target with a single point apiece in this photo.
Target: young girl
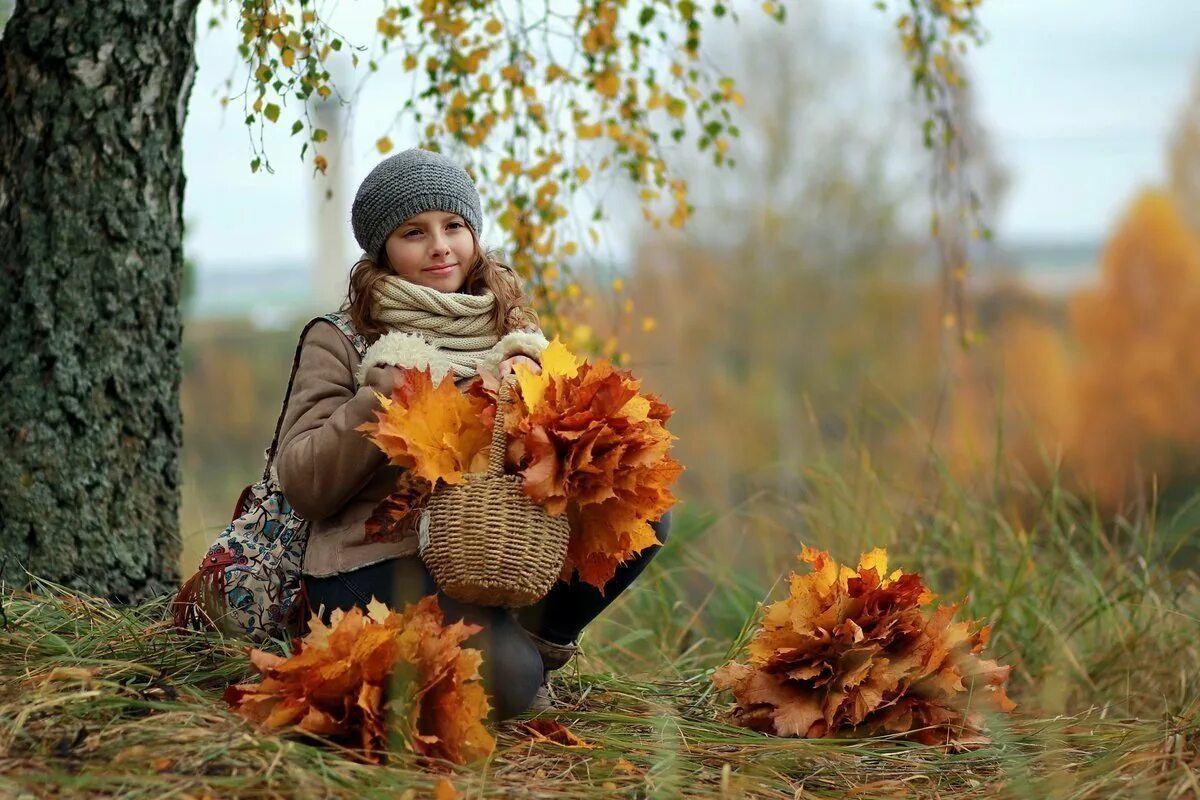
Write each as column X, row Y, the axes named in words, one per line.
column 424, row 294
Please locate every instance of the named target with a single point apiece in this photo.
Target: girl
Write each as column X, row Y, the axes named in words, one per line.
column 424, row 294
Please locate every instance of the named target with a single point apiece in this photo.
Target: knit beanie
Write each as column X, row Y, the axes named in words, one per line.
column 406, row 184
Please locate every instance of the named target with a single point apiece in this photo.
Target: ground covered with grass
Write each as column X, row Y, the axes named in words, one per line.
column 106, row 701
column 1098, row 618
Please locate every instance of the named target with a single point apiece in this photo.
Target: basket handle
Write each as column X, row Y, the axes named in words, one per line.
column 497, row 453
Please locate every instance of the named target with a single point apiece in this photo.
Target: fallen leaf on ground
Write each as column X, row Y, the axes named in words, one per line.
column 444, row 790
column 551, row 730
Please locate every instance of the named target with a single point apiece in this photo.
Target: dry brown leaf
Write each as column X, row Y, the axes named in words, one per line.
column 133, row 753
column 856, row 650
column 84, row 675
column 399, row 512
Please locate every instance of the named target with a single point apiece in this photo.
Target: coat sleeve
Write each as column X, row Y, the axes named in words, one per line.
column 322, row 461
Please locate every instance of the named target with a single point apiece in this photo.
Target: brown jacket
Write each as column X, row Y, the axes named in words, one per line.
column 332, row 474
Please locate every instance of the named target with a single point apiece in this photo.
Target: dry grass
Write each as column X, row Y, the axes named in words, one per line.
column 104, row 701
column 1099, row 618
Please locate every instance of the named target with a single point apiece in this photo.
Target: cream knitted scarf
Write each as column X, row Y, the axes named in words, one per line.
column 459, row 326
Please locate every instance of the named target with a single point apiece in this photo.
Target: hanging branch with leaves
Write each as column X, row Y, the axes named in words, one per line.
column 540, row 105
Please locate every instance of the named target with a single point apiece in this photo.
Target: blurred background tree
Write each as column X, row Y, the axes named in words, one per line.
column 1183, row 158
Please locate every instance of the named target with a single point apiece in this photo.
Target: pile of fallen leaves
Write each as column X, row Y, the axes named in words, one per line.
column 585, row 439
column 858, row 651
column 342, row 677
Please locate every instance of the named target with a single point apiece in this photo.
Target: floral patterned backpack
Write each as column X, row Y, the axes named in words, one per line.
column 248, row 583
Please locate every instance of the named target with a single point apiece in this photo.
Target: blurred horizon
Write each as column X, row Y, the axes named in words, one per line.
column 240, row 289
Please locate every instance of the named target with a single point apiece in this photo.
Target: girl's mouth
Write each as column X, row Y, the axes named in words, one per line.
column 444, row 269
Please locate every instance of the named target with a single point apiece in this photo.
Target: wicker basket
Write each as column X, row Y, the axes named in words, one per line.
column 485, row 542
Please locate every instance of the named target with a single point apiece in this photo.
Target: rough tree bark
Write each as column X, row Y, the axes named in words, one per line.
column 93, row 95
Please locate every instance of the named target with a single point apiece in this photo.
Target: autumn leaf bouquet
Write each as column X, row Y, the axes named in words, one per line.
column 858, row 651
column 342, row 676
column 584, row 438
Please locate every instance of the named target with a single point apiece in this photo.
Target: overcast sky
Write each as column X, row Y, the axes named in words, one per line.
column 1079, row 96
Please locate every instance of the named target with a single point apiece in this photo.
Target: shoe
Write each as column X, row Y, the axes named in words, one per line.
column 544, row 699
column 554, row 656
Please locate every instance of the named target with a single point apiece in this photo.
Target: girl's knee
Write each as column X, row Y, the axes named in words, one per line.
column 662, row 527
column 515, row 672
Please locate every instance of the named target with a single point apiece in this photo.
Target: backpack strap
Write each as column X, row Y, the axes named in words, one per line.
column 342, row 320
column 357, row 340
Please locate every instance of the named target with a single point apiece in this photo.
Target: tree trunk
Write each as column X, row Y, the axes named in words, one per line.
column 93, row 95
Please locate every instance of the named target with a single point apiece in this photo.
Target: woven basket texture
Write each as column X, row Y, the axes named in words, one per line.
column 484, row 541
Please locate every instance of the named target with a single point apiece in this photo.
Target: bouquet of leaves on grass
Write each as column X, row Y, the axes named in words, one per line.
column 585, row 439
column 342, row 676
column 858, row 651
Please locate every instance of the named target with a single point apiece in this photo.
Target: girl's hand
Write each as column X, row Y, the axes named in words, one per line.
column 507, row 366
column 382, row 378
column 492, row 382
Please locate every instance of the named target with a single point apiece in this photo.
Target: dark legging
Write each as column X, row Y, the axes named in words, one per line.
column 512, row 667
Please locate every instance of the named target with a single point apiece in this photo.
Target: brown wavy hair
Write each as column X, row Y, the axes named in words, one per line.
column 513, row 310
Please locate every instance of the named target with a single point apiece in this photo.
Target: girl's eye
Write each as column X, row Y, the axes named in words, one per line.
column 455, row 225
column 410, row 233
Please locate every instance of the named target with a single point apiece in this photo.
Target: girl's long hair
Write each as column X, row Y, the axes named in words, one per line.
column 513, row 310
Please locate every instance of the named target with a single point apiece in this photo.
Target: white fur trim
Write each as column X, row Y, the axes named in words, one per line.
column 516, row 343
column 400, row 349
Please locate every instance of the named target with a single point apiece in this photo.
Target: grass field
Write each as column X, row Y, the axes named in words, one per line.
column 1098, row 618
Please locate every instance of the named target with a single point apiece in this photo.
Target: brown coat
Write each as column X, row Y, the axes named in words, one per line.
column 332, row 474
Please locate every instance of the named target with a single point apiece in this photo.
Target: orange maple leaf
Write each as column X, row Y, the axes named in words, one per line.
column 602, row 538
column 437, row 432
column 856, row 650
column 543, row 729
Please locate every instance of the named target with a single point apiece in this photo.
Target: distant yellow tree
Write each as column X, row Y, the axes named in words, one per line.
column 1014, row 399
column 1183, row 158
column 1138, row 376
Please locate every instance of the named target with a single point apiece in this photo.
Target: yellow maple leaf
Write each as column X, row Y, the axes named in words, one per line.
column 557, row 362
column 877, row 560
column 439, row 433
column 636, row 410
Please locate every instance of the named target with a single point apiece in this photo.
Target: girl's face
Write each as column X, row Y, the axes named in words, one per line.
column 434, row 249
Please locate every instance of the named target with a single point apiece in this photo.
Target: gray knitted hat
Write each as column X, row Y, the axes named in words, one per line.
column 406, row 184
